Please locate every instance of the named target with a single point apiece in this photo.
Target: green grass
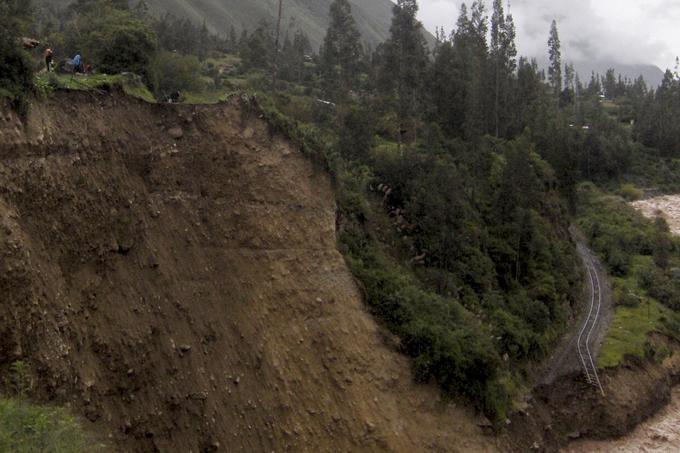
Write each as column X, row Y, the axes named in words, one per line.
column 131, row 84
column 625, row 240
column 27, row 428
column 140, row 92
column 629, row 333
column 224, row 60
column 206, row 97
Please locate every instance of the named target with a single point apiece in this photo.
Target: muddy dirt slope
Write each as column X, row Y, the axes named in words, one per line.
column 171, row 273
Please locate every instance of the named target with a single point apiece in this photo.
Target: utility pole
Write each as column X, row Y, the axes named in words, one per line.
column 276, row 50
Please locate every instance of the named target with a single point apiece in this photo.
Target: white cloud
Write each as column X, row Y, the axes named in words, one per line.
column 622, row 31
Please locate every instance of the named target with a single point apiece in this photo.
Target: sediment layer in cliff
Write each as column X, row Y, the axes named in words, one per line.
column 171, row 273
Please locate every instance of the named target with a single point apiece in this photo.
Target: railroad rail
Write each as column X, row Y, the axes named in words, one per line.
column 585, row 336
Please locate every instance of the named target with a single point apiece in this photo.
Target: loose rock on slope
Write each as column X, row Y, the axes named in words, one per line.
column 186, row 295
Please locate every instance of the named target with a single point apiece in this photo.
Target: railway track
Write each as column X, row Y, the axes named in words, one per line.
column 585, row 337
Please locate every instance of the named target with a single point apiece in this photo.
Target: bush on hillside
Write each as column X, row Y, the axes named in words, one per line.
column 26, row 428
column 630, row 192
column 114, row 41
column 170, row 72
column 16, row 72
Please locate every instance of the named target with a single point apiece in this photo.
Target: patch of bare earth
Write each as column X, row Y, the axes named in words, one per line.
column 171, row 274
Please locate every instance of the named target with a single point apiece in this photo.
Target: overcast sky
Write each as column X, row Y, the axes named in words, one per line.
column 621, row 31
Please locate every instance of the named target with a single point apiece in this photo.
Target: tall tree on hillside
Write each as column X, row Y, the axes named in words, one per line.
column 451, row 77
column 97, row 7
column 461, row 80
column 609, row 84
column 341, row 51
column 275, row 72
column 471, row 39
column 295, row 52
column 528, row 92
column 445, row 89
column 16, row 17
column 257, row 49
column 555, row 69
column 594, row 86
column 503, row 57
column 568, row 95
column 16, row 67
column 569, row 77
column 656, row 124
column 405, row 61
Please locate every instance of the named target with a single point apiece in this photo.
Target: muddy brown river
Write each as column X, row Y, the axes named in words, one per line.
column 668, row 206
column 661, row 434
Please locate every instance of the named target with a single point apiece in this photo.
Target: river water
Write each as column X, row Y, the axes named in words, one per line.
column 668, row 206
column 661, row 434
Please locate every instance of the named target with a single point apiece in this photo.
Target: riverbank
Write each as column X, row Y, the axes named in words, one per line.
column 660, row 434
column 570, row 410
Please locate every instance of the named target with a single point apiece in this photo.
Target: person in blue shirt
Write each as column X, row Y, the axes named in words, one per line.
column 77, row 63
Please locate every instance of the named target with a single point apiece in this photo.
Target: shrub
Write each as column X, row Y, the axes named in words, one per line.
column 630, row 193
column 16, row 72
column 26, row 428
column 123, row 46
column 618, row 261
column 661, row 287
column 113, row 39
column 170, row 72
column 626, row 298
column 21, row 379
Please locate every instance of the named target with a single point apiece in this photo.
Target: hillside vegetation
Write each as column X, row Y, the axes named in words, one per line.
column 643, row 259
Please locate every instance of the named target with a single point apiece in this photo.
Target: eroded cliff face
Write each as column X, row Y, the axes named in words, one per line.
column 561, row 416
column 171, row 273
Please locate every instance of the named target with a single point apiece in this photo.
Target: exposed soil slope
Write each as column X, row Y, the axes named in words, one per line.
column 186, row 294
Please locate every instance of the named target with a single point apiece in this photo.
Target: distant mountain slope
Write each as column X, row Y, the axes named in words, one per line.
column 652, row 74
column 373, row 16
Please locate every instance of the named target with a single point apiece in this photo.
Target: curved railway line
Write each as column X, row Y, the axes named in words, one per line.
column 585, row 337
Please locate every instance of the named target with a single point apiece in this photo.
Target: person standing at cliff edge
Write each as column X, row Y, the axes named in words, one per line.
column 49, row 59
column 77, row 64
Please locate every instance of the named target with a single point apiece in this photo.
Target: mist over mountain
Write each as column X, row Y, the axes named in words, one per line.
column 372, row 16
column 634, row 38
column 652, row 74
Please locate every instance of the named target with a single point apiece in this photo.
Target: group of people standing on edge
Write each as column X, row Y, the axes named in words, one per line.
column 76, row 62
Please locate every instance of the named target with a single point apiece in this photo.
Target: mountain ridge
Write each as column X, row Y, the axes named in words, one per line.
column 652, row 74
column 373, row 17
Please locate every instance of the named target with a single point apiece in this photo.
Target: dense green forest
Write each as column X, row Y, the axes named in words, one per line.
column 457, row 166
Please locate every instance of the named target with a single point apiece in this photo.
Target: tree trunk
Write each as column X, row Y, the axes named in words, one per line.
column 276, row 46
